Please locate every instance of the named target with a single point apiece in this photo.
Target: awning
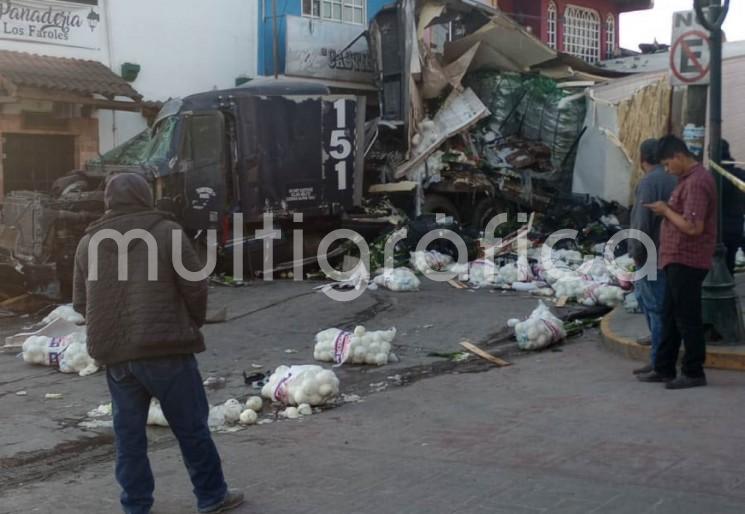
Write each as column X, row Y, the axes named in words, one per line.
column 40, row 77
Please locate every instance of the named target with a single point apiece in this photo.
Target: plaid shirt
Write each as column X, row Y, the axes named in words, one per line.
column 695, row 199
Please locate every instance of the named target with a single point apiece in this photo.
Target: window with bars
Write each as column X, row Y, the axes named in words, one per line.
column 551, row 16
column 582, row 33
column 346, row 11
column 610, row 37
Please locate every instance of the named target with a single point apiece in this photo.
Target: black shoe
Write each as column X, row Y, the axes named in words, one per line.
column 645, row 370
column 644, row 341
column 685, row 382
column 232, row 500
column 655, row 378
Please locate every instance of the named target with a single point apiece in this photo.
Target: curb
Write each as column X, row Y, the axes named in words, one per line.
column 717, row 357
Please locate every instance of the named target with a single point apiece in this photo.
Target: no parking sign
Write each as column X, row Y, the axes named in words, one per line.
column 690, row 52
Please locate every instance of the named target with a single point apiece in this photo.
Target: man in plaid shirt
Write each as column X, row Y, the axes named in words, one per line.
column 687, row 242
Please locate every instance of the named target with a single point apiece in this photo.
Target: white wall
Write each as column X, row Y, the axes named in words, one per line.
column 182, row 46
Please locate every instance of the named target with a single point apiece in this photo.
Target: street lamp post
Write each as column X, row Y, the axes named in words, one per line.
column 721, row 305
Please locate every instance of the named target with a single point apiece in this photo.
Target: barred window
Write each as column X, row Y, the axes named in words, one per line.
column 582, row 33
column 610, row 37
column 551, row 15
column 347, row 11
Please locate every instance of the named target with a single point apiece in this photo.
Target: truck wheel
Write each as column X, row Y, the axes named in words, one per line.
column 487, row 209
column 438, row 204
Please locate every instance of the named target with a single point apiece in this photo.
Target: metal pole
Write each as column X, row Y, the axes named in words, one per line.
column 721, row 306
column 275, row 39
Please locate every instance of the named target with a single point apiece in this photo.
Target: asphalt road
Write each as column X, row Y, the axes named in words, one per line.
column 561, row 431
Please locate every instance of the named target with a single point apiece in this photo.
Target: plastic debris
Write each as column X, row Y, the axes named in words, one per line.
column 53, row 396
column 358, row 347
column 295, row 385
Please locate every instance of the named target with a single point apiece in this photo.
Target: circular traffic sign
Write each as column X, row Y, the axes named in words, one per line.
column 682, row 44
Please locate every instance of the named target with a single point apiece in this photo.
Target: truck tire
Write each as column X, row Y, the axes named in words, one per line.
column 487, row 209
column 438, row 204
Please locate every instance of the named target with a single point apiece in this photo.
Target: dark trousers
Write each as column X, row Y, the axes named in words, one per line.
column 177, row 384
column 682, row 320
column 732, row 242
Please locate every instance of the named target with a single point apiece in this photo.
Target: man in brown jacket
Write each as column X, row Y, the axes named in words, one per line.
column 143, row 320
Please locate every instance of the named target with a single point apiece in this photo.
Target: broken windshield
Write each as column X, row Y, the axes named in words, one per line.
column 160, row 145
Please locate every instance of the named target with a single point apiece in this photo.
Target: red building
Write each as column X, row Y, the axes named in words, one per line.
column 587, row 29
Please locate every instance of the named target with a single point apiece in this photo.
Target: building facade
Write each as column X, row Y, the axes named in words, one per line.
column 588, row 29
column 311, row 35
column 149, row 51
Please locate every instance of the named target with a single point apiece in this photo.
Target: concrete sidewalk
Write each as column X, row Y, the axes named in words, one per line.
column 566, row 432
column 621, row 330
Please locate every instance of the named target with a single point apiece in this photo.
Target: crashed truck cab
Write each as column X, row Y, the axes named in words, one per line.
column 277, row 147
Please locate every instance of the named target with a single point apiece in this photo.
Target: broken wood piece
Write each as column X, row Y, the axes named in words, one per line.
column 457, row 284
column 484, row 355
column 562, row 302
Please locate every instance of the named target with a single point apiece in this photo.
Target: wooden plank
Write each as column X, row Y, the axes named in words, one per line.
column 458, row 285
column 561, row 302
column 484, row 355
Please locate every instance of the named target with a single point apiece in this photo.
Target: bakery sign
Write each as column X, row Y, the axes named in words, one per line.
column 56, row 22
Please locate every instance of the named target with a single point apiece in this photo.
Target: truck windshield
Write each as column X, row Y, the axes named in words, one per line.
column 160, row 145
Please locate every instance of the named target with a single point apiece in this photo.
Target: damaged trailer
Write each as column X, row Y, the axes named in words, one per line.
column 477, row 116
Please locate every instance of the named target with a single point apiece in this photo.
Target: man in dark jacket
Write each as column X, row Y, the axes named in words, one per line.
column 144, row 324
column 733, row 210
column 656, row 186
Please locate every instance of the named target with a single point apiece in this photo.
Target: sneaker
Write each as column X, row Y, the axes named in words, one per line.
column 232, row 500
column 654, row 378
column 685, row 382
column 644, row 341
column 645, row 370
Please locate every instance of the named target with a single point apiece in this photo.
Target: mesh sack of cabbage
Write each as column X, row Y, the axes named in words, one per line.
column 540, row 330
column 429, row 261
column 358, row 347
column 64, row 312
column 69, row 354
column 600, row 294
column 398, row 279
column 296, row 385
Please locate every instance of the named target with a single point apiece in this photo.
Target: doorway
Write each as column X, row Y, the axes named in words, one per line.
column 32, row 162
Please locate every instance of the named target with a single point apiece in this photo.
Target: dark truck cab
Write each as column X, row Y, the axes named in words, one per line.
column 274, row 146
column 278, row 147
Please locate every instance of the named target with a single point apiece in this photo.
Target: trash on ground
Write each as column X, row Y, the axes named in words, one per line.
column 426, row 262
column 484, row 355
column 155, row 416
column 398, row 279
column 541, row 330
column 53, row 396
column 66, row 313
column 295, row 385
column 358, row 347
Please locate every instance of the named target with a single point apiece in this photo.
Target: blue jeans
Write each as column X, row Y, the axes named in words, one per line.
column 177, row 384
column 651, row 297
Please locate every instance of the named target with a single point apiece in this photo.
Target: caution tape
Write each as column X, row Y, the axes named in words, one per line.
column 739, row 184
